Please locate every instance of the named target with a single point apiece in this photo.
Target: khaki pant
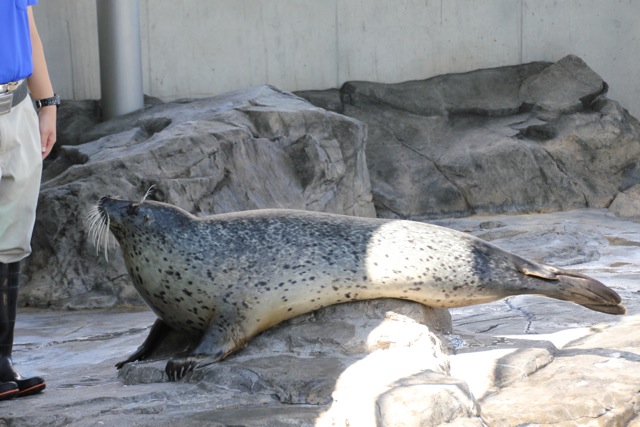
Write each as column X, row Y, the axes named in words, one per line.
column 20, row 173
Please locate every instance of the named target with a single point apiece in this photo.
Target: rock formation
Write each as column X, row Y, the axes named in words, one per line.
column 536, row 137
column 251, row 149
column 529, row 138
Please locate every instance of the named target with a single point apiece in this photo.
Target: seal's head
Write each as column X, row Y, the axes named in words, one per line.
column 126, row 218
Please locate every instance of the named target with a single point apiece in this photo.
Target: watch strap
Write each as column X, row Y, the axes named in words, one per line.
column 45, row 102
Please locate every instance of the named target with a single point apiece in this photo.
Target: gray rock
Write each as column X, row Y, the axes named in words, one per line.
column 74, row 119
column 256, row 148
column 578, row 368
column 569, row 85
column 427, row 399
column 627, row 203
column 536, row 137
column 487, row 92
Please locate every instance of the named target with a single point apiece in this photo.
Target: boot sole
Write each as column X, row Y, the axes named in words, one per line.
column 32, row 390
column 10, row 394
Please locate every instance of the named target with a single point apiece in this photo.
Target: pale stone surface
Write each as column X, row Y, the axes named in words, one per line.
column 592, row 382
column 533, row 361
column 426, row 400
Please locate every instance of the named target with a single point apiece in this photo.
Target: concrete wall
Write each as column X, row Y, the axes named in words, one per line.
column 195, row 48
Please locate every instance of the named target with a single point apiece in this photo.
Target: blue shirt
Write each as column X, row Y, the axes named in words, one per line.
column 15, row 40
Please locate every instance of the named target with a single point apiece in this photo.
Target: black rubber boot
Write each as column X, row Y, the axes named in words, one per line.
column 9, row 277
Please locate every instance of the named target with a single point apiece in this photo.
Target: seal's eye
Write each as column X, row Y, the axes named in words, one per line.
column 132, row 209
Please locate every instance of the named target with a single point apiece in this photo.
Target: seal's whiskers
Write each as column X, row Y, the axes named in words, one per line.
column 147, row 194
column 99, row 230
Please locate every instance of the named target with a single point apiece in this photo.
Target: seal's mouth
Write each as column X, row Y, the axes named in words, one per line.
column 99, row 222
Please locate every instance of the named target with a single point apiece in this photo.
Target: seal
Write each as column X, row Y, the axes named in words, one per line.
column 228, row 277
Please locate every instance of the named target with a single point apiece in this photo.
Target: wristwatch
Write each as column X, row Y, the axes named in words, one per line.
column 54, row 100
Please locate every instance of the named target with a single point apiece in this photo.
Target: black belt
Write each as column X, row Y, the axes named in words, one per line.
column 20, row 93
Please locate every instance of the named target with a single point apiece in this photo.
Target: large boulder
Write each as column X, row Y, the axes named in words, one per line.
column 256, row 148
column 535, row 137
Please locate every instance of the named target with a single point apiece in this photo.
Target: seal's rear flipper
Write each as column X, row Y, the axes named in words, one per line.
column 575, row 287
column 609, row 309
column 589, row 293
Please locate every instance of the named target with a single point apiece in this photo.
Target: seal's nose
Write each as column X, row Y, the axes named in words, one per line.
column 103, row 200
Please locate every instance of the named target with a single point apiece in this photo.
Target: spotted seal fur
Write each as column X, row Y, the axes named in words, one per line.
column 231, row 276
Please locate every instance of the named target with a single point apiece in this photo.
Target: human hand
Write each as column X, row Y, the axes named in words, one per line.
column 47, row 118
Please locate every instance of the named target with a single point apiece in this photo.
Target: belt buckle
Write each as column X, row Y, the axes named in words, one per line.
column 11, row 86
column 6, row 101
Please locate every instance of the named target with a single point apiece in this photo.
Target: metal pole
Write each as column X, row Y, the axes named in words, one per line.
column 120, row 57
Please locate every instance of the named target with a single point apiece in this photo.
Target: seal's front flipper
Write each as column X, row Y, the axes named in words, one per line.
column 158, row 332
column 178, row 367
column 216, row 343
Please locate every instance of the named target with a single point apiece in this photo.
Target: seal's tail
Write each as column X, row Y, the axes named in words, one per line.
column 580, row 289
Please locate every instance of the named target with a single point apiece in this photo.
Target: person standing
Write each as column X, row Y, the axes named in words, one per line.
column 26, row 138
